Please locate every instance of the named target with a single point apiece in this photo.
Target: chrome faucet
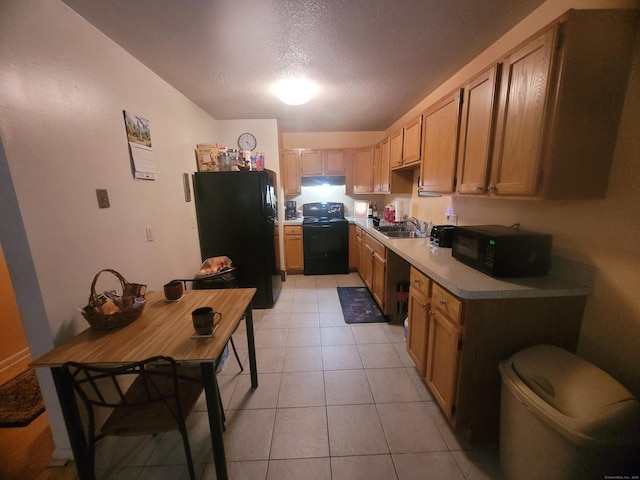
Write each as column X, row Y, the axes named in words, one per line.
column 415, row 222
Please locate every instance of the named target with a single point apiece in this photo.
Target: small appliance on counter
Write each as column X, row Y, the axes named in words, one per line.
column 502, row 251
column 290, row 210
column 442, row 235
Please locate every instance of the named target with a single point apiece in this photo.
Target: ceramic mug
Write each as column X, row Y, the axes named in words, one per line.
column 173, row 290
column 204, row 319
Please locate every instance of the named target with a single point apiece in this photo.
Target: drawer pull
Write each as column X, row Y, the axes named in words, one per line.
column 443, row 301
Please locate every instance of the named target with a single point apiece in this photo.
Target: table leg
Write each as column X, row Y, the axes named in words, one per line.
column 73, row 422
column 251, row 344
column 215, row 418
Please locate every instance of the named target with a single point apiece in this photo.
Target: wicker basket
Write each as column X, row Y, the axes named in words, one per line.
column 94, row 314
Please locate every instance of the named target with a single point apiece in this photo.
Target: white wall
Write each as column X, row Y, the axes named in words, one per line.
column 63, row 86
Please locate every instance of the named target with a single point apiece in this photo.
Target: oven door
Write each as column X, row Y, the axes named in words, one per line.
column 326, row 247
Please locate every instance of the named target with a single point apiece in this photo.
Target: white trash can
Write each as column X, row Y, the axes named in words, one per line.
column 563, row 418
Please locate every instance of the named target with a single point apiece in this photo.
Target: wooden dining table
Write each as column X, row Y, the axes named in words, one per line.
column 164, row 328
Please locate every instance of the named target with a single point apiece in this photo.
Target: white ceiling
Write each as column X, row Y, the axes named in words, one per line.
column 373, row 59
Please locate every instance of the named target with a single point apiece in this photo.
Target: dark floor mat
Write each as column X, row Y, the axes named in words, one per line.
column 20, row 400
column 358, row 306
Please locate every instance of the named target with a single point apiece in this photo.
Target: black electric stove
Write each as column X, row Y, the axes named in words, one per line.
column 325, row 238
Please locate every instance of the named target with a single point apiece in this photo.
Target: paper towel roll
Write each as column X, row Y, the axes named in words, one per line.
column 399, row 204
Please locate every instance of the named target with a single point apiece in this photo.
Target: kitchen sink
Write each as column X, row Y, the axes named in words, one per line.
column 403, row 234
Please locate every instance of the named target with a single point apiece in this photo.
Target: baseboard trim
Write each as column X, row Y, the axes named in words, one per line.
column 14, row 365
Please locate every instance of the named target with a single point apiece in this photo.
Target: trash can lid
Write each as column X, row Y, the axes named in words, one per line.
column 596, row 403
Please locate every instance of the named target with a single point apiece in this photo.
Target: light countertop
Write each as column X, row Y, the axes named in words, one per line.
column 297, row 221
column 466, row 282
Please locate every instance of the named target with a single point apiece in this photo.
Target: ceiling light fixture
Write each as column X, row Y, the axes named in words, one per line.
column 295, row 91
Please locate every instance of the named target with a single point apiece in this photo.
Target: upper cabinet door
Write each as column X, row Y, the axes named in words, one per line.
column 476, row 128
column 291, row 172
column 381, row 168
column 440, row 139
column 363, row 170
column 412, row 144
column 395, row 149
column 333, row 162
column 311, row 162
column 519, row 127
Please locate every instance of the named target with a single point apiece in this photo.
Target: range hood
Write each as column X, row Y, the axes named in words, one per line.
column 320, row 180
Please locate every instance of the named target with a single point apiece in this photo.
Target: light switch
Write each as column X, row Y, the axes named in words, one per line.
column 103, row 198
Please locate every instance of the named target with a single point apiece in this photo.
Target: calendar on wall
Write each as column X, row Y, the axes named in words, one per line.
column 140, row 146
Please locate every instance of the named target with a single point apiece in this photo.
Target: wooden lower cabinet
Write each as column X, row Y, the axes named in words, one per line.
column 354, row 254
column 366, row 263
column 378, row 270
column 443, row 354
column 381, row 271
column 293, row 253
column 417, row 337
column 457, row 344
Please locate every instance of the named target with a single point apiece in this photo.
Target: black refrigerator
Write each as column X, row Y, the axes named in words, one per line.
column 236, row 218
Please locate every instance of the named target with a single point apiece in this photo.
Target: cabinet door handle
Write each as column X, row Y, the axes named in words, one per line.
column 491, row 187
column 479, row 188
column 442, row 301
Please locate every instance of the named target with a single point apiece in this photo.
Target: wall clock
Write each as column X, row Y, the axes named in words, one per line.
column 246, row 141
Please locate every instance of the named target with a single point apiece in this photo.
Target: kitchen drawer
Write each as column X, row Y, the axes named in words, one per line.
column 377, row 247
column 446, row 303
column 420, row 282
column 292, row 230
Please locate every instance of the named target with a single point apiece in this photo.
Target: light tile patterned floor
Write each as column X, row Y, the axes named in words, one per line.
column 335, row 401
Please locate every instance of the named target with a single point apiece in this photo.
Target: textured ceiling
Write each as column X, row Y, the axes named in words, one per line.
column 373, row 59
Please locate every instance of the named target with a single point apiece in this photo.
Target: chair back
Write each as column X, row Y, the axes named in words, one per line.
column 149, row 384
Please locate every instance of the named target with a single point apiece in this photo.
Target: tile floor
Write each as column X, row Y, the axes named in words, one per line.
column 335, row 401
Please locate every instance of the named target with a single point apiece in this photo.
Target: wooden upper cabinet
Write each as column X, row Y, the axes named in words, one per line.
column 333, row 162
column 405, row 146
column 524, row 85
column 476, row 132
column 560, row 102
column 381, row 167
column 322, row 162
column 291, row 172
column 440, row 139
column 363, row 170
column 412, row 142
column 395, row 149
column 311, row 162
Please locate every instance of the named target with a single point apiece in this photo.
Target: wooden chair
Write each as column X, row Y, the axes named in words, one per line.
column 161, row 396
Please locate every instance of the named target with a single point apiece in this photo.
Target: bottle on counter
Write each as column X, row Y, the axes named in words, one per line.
column 370, row 209
column 374, row 209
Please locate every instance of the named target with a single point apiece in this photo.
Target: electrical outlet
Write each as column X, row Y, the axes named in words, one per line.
column 452, row 220
column 192, row 223
column 149, row 234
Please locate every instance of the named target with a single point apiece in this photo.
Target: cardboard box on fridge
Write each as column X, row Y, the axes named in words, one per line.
column 207, row 157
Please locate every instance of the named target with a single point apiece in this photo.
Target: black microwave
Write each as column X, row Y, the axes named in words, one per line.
column 502, row 251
